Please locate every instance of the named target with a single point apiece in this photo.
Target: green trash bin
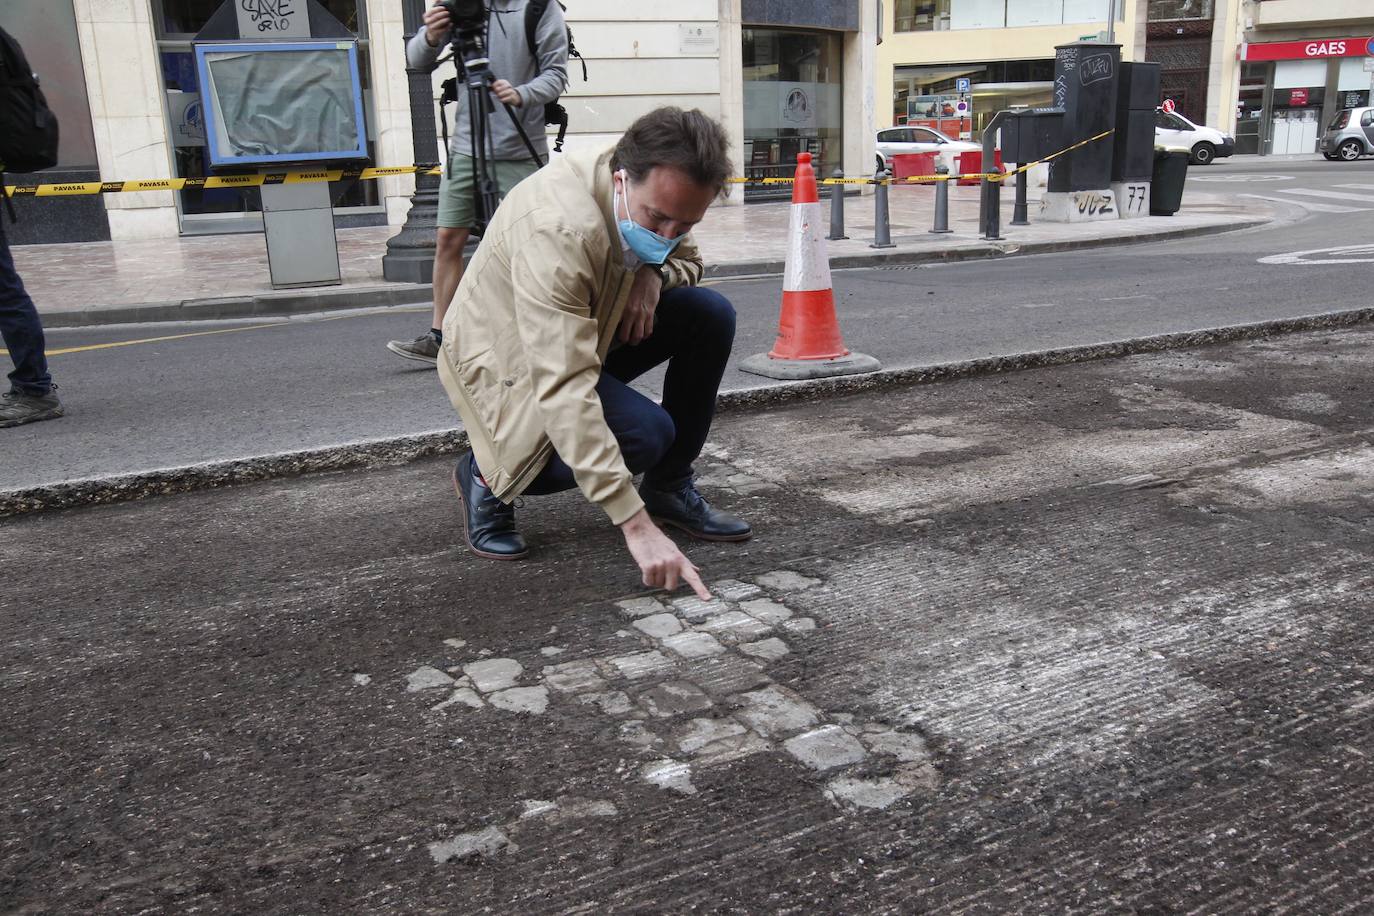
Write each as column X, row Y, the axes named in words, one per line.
column 1166, row 181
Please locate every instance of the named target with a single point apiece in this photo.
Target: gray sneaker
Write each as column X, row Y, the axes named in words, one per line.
column 424, row 348
column 17, row 407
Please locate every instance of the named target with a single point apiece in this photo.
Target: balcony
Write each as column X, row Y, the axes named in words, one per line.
column 1274, row 14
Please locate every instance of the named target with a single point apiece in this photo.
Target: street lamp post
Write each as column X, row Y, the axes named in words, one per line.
column 409, row 254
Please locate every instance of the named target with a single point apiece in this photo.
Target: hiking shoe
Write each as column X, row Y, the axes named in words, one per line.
column 685, row 508
column 424, row 348
column 18, row 407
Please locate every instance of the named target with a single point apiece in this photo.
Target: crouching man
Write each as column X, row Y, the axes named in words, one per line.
column 585, row 280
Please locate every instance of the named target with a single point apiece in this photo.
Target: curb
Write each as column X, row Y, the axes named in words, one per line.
column 377, row 453
column 295, row 302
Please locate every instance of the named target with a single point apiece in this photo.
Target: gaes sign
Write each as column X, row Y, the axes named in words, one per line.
column 1314, row 49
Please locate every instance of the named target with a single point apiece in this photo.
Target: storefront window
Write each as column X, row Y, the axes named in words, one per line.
column 178, row 22
column 793, row 102
column 930, row 97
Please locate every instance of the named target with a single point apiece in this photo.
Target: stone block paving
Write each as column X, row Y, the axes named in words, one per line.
column 694, row 694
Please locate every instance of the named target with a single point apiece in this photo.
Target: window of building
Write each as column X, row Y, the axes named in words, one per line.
column 225, row 209
column 1168, row 10
column 942, row 15
column 793, row 102
column 929, row 96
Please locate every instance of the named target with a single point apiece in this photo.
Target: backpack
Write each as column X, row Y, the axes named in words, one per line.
column 554, row 113
column 28, row 128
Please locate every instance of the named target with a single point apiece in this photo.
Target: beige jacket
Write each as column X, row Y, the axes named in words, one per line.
column 530, row 326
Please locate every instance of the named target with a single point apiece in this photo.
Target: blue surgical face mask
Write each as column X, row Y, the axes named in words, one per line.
column 647, row 245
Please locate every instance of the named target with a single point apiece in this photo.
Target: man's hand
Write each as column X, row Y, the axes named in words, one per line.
column 638, row 321
column 660, row 562
column 507, row 93
column 437, row 24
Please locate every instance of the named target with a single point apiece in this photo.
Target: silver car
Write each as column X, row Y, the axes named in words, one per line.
column 1350, row 135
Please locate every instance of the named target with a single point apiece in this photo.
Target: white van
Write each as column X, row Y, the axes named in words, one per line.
column 1204, row 144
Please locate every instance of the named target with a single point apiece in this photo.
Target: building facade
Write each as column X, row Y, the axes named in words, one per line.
column 1301, row 62
column 784, row 76
column 953, row 64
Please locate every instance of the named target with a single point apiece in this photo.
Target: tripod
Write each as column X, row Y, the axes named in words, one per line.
column 474, row 68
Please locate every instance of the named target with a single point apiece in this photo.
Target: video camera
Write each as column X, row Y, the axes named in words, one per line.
column 466, row 15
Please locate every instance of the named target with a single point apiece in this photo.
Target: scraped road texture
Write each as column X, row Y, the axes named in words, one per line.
column 1083, row 639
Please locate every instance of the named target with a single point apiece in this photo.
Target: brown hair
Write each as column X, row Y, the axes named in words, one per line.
column 670, row 137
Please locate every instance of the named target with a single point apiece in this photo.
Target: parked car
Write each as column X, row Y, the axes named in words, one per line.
column 1204, row 144
column 1350, row 135
column 915, row 139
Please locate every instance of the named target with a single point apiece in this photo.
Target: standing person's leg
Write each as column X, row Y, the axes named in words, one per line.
column 457, row 214
column 694, row 331
column 31, row 396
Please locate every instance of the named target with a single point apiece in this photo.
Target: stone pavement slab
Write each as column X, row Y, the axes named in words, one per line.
column 1086, row 638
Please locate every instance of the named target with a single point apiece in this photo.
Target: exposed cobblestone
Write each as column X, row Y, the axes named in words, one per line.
column 659, row 625
column 767, row 610
column 694, row 645
column 494, row 674
column 674, row 699
column 734, row 626
column 640, row 664
column 769, row 649
column 775, row 711
column 825, row 748
column 533, row 700
column 427, row 678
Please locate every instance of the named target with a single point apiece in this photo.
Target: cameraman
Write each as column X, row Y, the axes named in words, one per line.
column 526, row 84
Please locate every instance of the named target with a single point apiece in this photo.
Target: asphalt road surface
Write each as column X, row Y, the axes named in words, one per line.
column 1075, row 640
column 157, row 396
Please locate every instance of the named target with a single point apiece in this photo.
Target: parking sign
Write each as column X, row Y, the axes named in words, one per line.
column 963, row 84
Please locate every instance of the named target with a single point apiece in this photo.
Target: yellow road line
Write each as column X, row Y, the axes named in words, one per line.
column 284, row 322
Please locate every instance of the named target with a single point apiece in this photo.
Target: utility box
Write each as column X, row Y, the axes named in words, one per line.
column 1031, row 134
column 1085, row 86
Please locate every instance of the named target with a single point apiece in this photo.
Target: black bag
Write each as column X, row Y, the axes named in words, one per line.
column 554, row 113
column 28, row 128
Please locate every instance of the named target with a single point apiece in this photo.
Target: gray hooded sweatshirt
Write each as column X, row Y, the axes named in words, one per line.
column 538, row 82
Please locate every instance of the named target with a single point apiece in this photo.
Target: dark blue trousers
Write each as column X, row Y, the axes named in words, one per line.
column 694, row 331
column 22, row 331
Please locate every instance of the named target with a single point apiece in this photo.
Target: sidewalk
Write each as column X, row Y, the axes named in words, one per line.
column 227, row 276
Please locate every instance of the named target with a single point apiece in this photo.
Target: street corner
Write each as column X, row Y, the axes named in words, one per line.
column 692, row 688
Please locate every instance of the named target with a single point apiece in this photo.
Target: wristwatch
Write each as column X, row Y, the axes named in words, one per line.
column 663, row 274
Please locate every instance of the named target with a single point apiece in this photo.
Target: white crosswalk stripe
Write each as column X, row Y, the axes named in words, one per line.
column 1333, row 195
column 1310, row 205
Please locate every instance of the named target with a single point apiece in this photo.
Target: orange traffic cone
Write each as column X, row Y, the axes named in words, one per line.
column 809, row 343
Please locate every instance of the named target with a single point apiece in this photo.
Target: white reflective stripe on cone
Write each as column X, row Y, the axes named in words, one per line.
column 808, row 265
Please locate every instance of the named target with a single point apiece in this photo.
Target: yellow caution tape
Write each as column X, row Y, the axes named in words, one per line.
column 75, row 189
column 78, row 188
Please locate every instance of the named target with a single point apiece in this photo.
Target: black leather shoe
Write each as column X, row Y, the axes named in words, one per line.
column 488, row 523
column 688, row 510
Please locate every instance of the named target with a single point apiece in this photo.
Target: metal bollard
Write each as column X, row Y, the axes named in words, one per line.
column 837, row 209
column 1019, row 216
column 941, row 200
column 882, row 225
column 992, row 200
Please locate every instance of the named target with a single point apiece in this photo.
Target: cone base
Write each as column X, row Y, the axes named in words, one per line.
column 796, row 369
